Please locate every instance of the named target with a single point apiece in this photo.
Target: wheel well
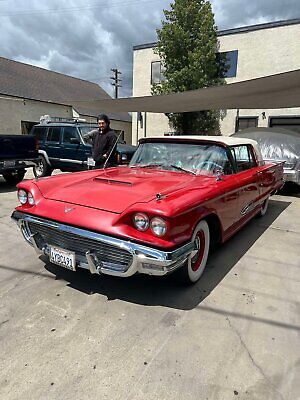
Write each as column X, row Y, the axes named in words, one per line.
column 214, row 228
column 44, row 155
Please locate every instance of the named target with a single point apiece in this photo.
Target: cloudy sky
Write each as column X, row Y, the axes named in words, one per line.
column 87, row 39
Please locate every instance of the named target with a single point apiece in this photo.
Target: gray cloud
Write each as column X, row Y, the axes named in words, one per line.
column 87, row 40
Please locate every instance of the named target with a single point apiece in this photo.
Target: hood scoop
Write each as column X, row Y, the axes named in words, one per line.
column 112, row 181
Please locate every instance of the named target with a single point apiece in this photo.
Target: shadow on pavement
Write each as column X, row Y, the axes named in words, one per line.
column 167, row 291
column 290, row 189
column 6, row 187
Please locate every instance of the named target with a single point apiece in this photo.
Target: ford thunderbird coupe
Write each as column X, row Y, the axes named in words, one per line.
column 162, row 213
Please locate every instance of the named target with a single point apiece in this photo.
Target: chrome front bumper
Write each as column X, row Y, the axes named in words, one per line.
column 142, row 259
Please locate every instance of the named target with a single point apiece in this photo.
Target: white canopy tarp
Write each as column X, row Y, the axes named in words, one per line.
column 274, row 91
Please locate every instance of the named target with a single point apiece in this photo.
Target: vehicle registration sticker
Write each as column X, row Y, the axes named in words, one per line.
column 62, row 257
column 9, row 163
column 91, row 162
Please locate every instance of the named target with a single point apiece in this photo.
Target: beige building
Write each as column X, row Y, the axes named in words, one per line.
column 28, row 92
column 252, row 52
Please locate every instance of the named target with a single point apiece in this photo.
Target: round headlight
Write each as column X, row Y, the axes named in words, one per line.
column 158, row 226
column 22, row 196
column 30, row 199
column 141, row 221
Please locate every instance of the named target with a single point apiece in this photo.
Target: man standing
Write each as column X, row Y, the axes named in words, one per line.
column 103, row 142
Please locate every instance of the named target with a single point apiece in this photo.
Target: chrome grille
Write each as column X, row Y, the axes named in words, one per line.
column 80, row 245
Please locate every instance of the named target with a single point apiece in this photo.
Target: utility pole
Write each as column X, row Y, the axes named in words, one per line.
column 116, row 80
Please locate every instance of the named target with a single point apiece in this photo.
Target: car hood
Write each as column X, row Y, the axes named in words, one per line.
column 116, row 189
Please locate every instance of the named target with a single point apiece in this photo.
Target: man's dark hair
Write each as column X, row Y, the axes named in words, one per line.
column 104, row 118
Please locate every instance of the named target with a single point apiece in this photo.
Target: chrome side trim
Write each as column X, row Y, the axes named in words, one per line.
column 146, row 260
column 69, row 160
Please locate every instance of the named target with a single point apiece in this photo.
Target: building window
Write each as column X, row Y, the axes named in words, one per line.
column 157, row 72
column 229, row 59
column 291, row 123
column 26, row 127
column 246, row 122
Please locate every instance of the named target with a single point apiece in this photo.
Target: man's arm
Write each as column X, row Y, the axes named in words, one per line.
column 89, row 136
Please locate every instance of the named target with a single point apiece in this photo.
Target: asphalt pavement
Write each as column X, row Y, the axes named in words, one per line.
column 233, row 335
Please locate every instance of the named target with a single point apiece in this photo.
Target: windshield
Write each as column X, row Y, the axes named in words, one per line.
column 182, row 157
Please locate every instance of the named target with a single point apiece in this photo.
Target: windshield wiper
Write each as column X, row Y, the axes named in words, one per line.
column 183, row 169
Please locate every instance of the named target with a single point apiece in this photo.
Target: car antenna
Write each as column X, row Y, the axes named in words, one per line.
column 106, row 161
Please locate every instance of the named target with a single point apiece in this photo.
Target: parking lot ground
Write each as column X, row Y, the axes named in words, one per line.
column 233, row 335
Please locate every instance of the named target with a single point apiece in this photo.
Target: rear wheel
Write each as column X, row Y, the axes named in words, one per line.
column 42, row 168
column 14, row 177
column 195, row 264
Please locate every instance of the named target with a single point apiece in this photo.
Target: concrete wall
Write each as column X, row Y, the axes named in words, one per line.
column 261, row 52
column 14, row 110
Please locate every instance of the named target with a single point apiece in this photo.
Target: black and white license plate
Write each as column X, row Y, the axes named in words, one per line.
column 63, row 258
column 9, row 163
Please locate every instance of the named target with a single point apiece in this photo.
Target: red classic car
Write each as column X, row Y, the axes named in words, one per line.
column 178, row 196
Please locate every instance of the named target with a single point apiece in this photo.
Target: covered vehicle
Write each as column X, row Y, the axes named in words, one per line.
column 161, row 213
column 278, row 144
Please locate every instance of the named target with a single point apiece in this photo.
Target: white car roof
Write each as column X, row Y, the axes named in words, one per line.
column 227, row 140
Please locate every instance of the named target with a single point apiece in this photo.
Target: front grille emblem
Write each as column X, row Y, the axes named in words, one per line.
column 68, row 209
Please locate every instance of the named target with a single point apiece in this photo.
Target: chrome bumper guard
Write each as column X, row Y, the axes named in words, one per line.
column 145, row 260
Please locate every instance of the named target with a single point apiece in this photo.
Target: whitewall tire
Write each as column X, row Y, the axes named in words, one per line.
column 195, row 264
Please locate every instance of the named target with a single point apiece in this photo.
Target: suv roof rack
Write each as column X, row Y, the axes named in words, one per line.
column 46, row 119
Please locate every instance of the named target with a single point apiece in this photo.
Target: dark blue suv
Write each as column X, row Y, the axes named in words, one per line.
column 61, row 146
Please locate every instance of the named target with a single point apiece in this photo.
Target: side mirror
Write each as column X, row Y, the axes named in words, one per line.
column 74, row 140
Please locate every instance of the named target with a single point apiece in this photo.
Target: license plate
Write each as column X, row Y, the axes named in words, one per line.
column 9, row 163
column 62, row 257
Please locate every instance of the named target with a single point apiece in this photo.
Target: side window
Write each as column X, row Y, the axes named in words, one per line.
column 39, row 132
column 243, row 157
column 69, row 133
column 53, row 134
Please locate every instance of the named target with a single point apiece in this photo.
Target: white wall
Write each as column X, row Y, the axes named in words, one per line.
column 261, row 52
column 13, row 110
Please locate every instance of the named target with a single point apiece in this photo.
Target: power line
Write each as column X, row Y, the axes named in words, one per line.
column 74, row 9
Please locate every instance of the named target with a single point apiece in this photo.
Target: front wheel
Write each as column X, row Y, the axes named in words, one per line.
column 14, row 177
column 195, row 264
column 42, row 168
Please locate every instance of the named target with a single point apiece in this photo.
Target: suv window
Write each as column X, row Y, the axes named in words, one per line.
column 69, row 133
column 243, row 157
column 53, row 134
column 39, row 132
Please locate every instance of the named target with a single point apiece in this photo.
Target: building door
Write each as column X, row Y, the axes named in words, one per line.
column 291, row 123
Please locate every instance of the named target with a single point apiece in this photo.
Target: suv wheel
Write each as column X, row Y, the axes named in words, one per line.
column 42, row 168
